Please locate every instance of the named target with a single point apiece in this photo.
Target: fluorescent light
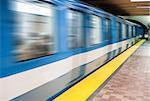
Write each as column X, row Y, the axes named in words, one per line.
column 143, row 7
column 139, row 0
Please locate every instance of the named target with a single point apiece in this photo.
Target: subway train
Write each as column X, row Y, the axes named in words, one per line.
column 47, row 46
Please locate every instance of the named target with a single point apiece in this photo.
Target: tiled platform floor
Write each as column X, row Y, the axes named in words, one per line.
column 131, row 82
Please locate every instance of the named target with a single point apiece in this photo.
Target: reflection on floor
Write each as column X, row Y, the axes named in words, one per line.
column 132, row 81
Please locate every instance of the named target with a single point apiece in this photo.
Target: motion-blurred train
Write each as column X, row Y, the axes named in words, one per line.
column 47, row 46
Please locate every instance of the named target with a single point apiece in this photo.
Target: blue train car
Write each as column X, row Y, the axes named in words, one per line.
column 49, row 45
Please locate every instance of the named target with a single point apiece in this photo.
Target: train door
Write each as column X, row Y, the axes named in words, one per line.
column 124, row 36
column 108, row 33
column 75, row 40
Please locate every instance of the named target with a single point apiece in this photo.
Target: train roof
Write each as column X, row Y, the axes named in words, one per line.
column 91, row 9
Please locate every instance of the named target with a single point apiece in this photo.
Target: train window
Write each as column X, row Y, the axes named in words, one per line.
column 75, row 28
column 35, row 35
column 134, row 33
column 127, row 30
column 130, row 31
column 124, row 32
column 119, row 30
column 96, row 30
column 108, row 29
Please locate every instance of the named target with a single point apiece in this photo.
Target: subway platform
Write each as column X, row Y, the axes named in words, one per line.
column 131, row 82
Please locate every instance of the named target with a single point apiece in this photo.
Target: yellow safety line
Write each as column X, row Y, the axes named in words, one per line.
column 82, row 90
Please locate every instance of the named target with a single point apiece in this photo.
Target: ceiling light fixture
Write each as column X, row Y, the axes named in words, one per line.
column 143, row 7
column 139, row 0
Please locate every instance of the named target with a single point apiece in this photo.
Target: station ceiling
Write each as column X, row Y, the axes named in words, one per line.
column 122, row 7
